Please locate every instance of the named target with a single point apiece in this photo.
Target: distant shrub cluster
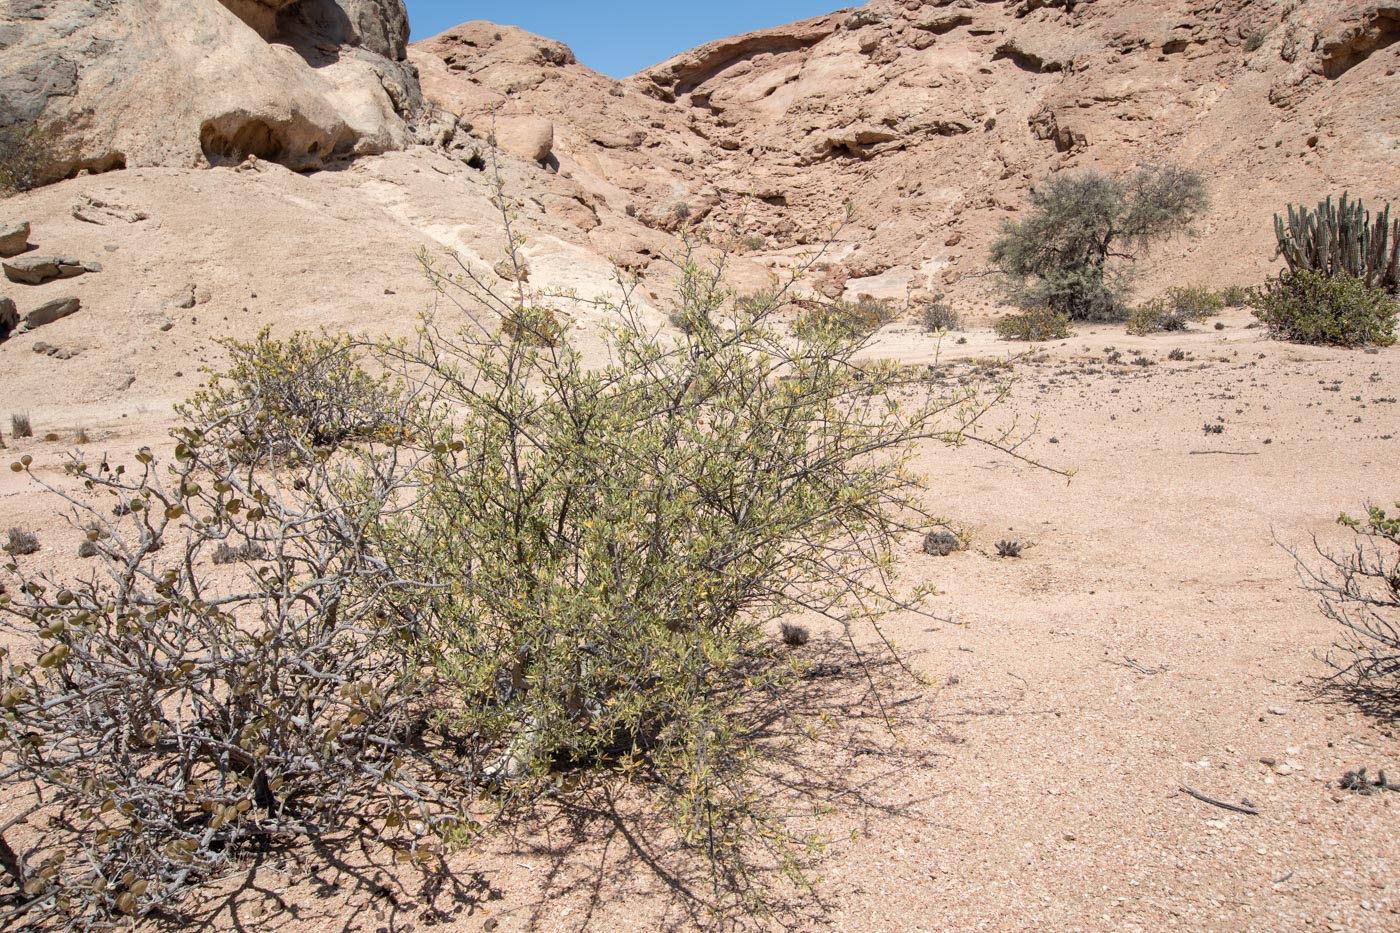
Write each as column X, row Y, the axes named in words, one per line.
column 845, row 319
column 937, row 316
column 1034, row 324
column 1175, row 310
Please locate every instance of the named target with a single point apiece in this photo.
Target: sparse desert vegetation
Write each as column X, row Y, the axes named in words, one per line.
column 888, row 479
column 1074, row 253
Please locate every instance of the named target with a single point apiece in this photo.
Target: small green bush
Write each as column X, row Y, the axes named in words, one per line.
column 533, row 326
column 1034, row 324
column 844, row 319
column 1311, row 307
column 1174, row 310
column 1235, row 296
column 293, row 397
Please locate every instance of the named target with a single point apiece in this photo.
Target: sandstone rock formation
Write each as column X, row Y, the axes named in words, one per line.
column 155, row 82
column 933, row 118
column 9, row 317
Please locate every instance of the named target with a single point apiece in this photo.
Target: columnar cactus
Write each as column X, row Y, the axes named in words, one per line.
column 1341, row 238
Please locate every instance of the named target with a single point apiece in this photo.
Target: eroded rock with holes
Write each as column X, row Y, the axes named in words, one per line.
column 195, row 82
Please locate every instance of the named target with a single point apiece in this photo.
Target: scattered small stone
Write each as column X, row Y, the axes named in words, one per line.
column 58, row 353
column 1278, row 710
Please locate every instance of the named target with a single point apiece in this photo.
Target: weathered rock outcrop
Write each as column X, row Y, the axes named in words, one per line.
column 159, row 82
column 933, row 118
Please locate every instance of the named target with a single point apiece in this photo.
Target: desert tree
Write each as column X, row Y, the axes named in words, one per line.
column 1075, row 252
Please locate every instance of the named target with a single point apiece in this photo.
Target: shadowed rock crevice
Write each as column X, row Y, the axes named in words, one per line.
column 1378, row 28
column 297, row 144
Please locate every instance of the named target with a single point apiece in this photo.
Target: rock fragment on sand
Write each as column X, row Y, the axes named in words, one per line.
column 51, row 311
column 14, row 239
column 36, row 270
column 97, row 211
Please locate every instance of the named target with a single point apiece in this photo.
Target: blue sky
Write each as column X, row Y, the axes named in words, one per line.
column 620, row 37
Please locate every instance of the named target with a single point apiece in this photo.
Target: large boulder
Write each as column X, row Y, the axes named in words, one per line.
column 193, row 82
column 525, row 137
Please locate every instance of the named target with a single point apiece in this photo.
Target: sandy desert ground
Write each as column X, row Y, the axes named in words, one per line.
column 1152, row 636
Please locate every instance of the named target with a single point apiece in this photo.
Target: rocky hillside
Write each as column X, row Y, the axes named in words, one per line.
column 931, row 119
column 934, row 118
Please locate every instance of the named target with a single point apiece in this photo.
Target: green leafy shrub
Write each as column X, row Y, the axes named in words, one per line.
column 1034, row 324
column 844, row 320
column 291, row 397
column 1312, row 307
column 533, row 325
column 1075, row 251
column 1174, row 310
column 1235, row 296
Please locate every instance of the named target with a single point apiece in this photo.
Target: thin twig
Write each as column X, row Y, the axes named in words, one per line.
column 1219, row 803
